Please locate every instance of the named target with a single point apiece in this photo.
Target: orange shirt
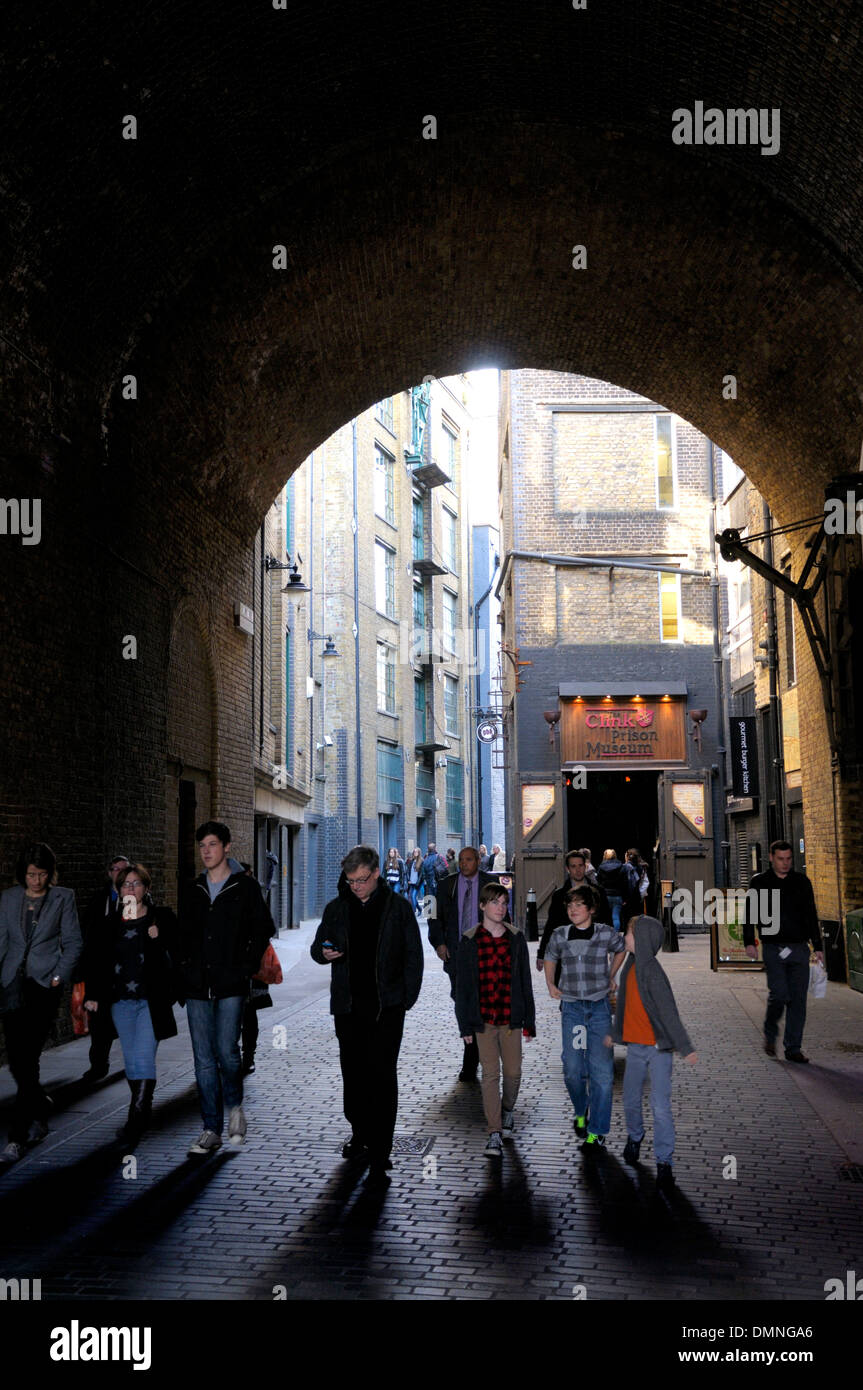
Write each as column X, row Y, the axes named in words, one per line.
column 636, row 1024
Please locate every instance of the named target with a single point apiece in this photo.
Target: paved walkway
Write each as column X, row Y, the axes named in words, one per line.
column 285, row 1213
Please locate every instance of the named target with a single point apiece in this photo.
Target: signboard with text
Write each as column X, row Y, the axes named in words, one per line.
column 744, row 756
column 623, row 733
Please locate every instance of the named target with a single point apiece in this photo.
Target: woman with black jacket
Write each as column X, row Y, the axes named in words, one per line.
column 129, row 969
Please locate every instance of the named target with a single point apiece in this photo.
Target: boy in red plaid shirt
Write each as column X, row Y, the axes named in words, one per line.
column 494, row 1003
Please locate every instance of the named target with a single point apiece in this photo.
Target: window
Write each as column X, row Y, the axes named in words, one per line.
column 384, row 485
column 740, row 654
column 386, row 678
column 790, row 644
column 384, row 413
column 385, row 580
column 450, row 603
column 666, row 471
column 419, row 611
column 450, row 704
column 454, row 797
column 390, row 775
column 417, row 529
column 449, row 446
column 669, row 607
column 449, row 525
column 419, row 710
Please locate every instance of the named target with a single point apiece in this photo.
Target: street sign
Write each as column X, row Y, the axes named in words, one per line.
column 486, row 731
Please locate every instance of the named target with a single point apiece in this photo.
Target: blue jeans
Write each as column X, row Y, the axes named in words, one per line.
column 137, row 1039
column 588, row 1065
column 787, row 985
column 214, row 1025
column 616, row 905
column 643, row 1061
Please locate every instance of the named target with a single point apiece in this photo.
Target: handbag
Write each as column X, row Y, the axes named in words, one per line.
column 817, row 980
column 270, row 971
column 80, row 1017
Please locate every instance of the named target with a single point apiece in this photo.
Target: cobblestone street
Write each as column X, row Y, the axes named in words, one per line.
column 286, row 1216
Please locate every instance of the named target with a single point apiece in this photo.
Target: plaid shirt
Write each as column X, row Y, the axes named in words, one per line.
column 494, row 960
column 584, row 965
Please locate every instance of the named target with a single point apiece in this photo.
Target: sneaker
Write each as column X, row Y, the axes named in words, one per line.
column 12, row 1152
column 494, row 1146
column 579, row 1124
column 207, row 1144
column 594, row 1141
column 508, row 1126
column 632, row 1150
column 795, row 1055
column 664, row 1176
column 236, row 1126
column 37, row 1132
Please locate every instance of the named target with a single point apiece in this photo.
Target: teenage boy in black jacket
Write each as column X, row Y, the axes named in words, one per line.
column 224, row 929
column 369, row 935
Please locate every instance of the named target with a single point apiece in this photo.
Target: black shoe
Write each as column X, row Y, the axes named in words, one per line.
column 377, row 1178
column 592, row 1143
column 355, row 1149
column 795, row 1055
column 94, row 1074
column 467, row 1076
column 248, row 1066
column 632, row 1150
column 579, row 1124
column 770, row 1047
column 665, row 1177
column 135, row 1120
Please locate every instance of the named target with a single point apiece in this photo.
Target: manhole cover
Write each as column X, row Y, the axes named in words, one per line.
column 851, row 1172
column 413, row 1145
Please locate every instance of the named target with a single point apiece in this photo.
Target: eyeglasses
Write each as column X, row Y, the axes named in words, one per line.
column 355, row 882
column 133, row 883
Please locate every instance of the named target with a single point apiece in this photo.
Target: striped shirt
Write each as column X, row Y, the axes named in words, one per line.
column 584, row 962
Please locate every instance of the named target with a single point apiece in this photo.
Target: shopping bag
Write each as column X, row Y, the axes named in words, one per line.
column 270, row 972
column 817, row 980
column 80, row 1021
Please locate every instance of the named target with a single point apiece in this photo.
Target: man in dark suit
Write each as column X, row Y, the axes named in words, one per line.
column 457, row 911
column 100, row 1025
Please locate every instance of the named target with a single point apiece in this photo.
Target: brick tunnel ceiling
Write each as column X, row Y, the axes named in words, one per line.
column 410, row 256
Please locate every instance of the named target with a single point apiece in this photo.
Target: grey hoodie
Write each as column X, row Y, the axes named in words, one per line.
column 655, row 991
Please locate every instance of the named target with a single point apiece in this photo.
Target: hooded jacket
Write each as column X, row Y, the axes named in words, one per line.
column 655, row 990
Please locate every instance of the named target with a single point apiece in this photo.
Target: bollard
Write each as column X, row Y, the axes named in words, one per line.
column 531, row 924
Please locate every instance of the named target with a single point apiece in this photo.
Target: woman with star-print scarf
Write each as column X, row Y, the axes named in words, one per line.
column 129, row 970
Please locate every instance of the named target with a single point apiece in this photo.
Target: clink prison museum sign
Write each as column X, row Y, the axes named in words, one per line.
column 602, row 731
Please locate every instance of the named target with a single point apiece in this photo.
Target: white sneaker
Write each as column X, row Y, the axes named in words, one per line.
column 236, row 1125
column 12, row 1152
column 494, row 1147
column 207, row 1144
column 508, row 1126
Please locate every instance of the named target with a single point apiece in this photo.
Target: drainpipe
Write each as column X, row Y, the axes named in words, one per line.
column 719, row 857
column 772, row 664
column 356, row 526
column 478, row 688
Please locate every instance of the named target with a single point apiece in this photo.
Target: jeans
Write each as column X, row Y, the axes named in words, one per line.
column 643, row 1061
column 499, row 1047
column 787, row 985
column 137, row 1039
column 616, row 905
column 369, row 1055
column 26, row 1030
column 414, row 890
column 588, row 1065
column 214, row 1025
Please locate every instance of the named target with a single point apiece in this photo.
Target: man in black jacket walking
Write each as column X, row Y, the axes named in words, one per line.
column 100, row 1025
column 784, row 945
column 224, row 929
column 369, row 935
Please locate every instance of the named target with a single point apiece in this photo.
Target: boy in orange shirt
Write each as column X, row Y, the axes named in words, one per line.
column 648, row 1023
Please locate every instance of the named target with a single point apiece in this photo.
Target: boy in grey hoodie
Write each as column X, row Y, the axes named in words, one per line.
column 648, row 1023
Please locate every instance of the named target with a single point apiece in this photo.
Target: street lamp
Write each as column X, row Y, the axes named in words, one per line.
column 295, row 583
column 329, row 644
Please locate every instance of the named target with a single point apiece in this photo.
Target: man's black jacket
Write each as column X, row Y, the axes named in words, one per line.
column 557, row 914
column 221, row 943
column 798, row 916
column 399, row 967
column 443, row 928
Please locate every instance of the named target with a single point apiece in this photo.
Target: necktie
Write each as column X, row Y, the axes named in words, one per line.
column 467, row 909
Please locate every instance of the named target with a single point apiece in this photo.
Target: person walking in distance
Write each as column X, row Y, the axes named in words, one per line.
column 40, row 944
column 225, row 926
column 784, row 946
column 394, row 871
column 415, row 877
column 620, row 882
column 457, row 911
column 494, row 1003
column 576, row 875
column 370, row 937
column 583, row 948
column 100, row 1024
